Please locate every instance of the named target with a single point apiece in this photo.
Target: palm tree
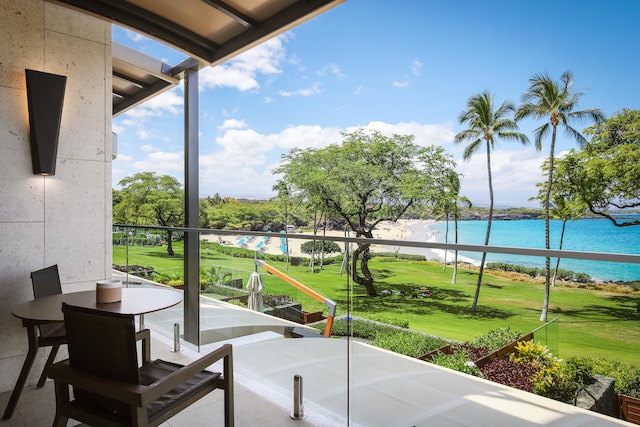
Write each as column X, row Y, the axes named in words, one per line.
column 485, row 125
column 555, row 102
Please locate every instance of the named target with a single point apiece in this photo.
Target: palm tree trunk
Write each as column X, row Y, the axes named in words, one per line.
column 555, row 273
column 455, row 253
column 486, row 238
column 547, row 261
column 446, row 240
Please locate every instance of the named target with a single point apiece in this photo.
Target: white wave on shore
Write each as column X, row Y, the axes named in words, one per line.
column 418, row 231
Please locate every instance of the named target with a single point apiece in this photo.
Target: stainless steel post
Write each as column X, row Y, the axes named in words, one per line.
column 298, row 406
column 176, row 337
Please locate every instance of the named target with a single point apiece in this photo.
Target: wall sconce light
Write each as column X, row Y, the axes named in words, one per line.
column 45, row 94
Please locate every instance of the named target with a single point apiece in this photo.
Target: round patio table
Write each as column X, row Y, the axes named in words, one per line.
column 137, row 301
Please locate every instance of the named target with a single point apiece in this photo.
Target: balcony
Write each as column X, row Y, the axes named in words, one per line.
column 345, row 381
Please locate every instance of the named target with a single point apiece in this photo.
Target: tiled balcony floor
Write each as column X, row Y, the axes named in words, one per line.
column 345, row 383
column 255, row 404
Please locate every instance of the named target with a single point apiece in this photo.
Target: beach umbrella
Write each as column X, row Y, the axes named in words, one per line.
column 255, row 289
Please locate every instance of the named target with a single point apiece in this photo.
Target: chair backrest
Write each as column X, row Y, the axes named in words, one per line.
column 46, row 282
column 102, row 344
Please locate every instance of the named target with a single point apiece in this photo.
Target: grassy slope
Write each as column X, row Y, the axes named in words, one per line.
column 591, row 323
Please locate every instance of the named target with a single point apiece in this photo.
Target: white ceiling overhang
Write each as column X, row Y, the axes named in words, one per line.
column 209, row 32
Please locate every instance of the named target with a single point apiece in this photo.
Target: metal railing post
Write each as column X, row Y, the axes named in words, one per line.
column 298, row 406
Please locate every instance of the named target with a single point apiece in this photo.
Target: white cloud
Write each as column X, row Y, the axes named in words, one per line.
column 243, row 159
column 162, row 163
column 514, row 176
column 242, row 71
column 232, row 124
column 169, row 102
column 400, row 84
column 243, row 165
column 136, row 37
column 331, row 69
column 424, row 134
column 315, row 89
column 125, row 158
column 416, row 67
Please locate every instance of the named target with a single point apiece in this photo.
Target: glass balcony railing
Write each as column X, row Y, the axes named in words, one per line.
column 417, row 307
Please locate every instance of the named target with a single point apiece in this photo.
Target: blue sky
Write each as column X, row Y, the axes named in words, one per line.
column 406, row 67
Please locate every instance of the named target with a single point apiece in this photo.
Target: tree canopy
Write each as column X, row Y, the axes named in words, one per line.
column 366, row 179
column 605, row 174
column 149, row 199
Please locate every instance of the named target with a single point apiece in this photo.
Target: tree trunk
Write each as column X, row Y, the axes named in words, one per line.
column 547, row 260
column 170, row 242
column 446, row 240
column 362, row 254
column 486, row 238
column 313, row 249
column 454, row 278
column 555, row 273
column 324, row 233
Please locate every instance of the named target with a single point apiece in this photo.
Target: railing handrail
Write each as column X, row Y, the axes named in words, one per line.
column 510, row 250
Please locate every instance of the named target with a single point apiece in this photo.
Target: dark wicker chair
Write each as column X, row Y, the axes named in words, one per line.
column 109, row 386
column 46, row 282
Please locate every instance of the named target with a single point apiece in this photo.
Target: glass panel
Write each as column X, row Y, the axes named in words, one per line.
column 376, row 368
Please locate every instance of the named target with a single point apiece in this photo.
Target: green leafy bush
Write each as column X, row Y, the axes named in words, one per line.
column 223, row 291
column 626, row 375
column 408, row 343
column 566, row 275
column 319, row 246
column 354, row 327
column 458, row 361
column 496, row 338
column 550, row 379
column 392, row 256
column 401, row 323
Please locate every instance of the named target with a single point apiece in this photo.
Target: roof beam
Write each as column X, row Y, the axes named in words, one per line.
column 232, row 13
column 141, row 20
column 141, row 95
column 279, row 23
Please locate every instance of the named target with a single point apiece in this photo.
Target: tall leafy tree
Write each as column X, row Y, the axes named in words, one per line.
column 149, row 199
column 556, row 103
column 366, row 179
column 610, row 167
column 486, row 124
column 565, row 205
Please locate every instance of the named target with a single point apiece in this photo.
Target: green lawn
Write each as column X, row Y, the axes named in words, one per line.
column 590, row 323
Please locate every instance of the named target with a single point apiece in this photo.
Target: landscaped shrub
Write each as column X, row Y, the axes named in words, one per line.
column 402, row 323
column 475, row 352
column 223, row 291
column 510, row 373
column 459, row 361
column 496, row 338
column 626, row 375
column 408, row 343
column 213, row 276
column 550, row 379
column 393, row 256
column 565, row 275
column 352, row 327
column 390, row 338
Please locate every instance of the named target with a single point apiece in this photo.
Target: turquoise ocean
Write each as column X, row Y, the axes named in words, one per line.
column 590, row 235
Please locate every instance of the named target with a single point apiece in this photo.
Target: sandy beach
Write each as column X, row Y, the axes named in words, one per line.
column 403, row 229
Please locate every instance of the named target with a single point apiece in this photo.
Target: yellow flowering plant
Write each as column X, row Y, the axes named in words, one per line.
column 548, row 376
